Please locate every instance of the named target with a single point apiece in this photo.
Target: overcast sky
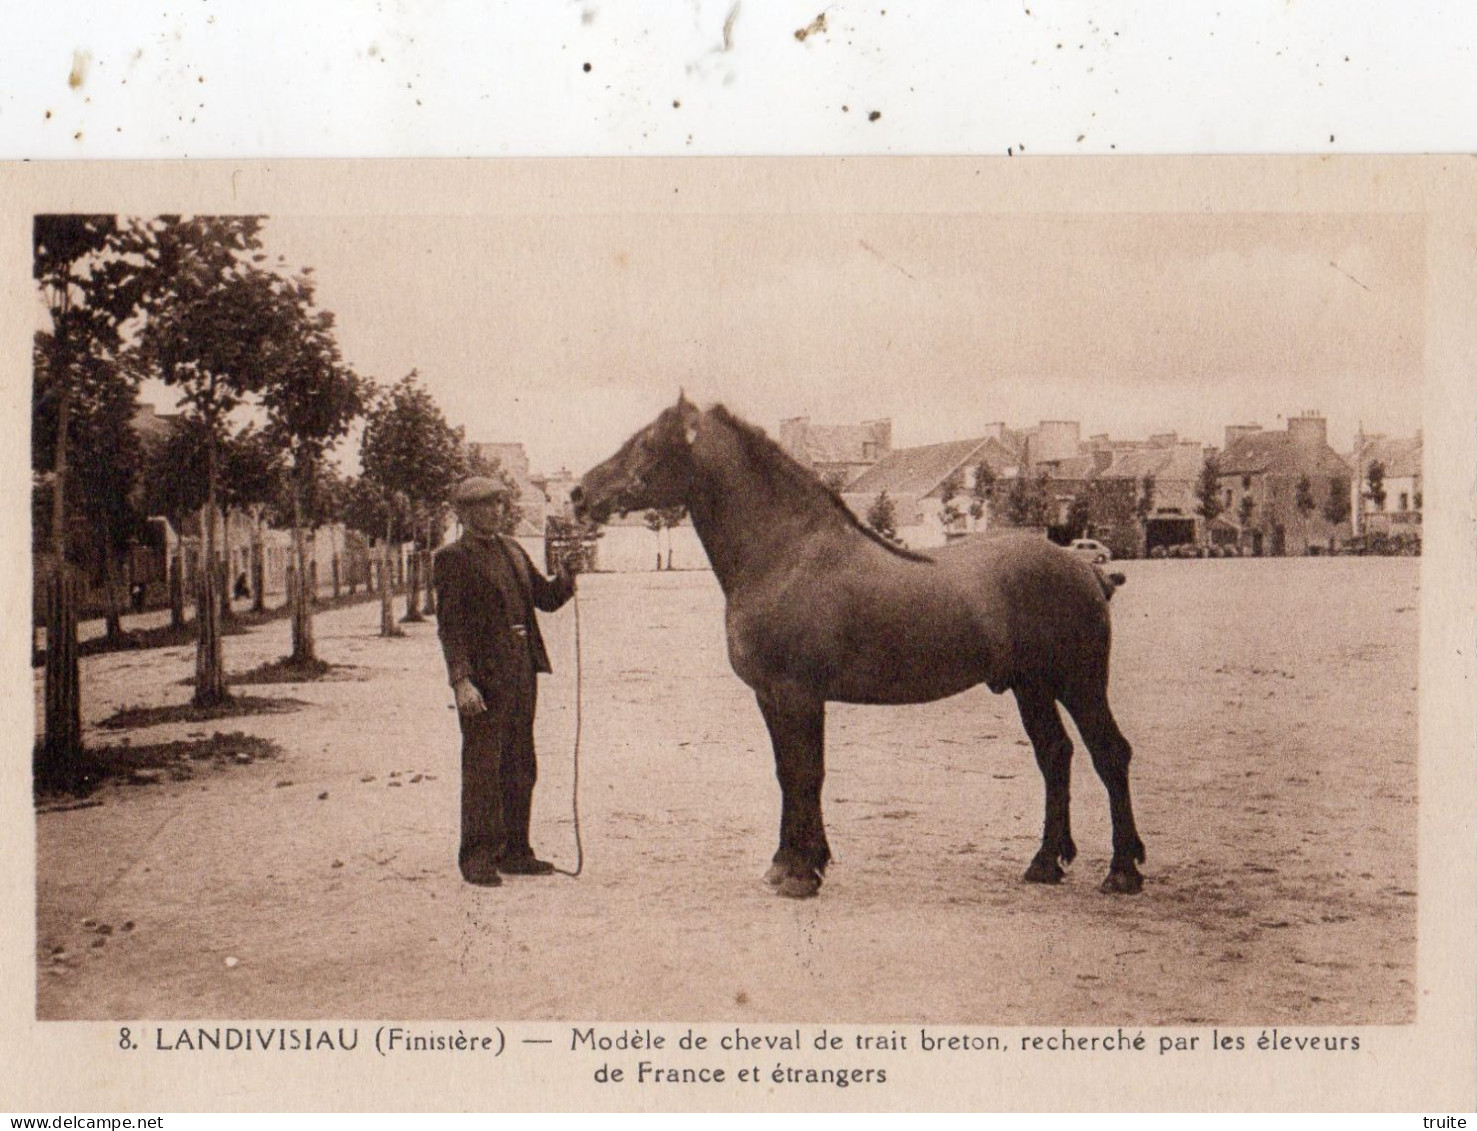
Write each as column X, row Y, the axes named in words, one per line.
column 568, row 333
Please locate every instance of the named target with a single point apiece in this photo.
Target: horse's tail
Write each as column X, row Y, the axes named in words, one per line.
column 1109, row 582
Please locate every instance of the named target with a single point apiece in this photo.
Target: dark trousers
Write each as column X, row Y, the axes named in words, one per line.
column 498, row 773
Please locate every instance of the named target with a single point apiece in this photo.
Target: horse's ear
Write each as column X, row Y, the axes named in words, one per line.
column 689, row 414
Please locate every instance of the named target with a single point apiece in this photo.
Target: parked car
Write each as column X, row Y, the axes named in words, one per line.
column 1091, row 549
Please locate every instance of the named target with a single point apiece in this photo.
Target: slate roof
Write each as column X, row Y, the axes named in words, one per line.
column 1403, row 457
column 917, row 471
column 1278, row 453
column 1074, row 467
column 1166, row 465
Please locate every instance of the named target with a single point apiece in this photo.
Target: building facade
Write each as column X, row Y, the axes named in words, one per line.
column 1395, row 509
column 1287, row 491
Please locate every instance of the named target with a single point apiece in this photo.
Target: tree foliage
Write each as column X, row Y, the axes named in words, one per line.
column 175, row 470
column 310, row 395
column 367, row 509
column 1144, row 506
column 1079, row 515
column 1208, row 490
column 1374, row 478
column 1028, row 502
column 103, row 480
column 251, row 470
column 213, row 315
column 949, row 513
column 1303, row 496
column 982, row 490
column 882, row 516
column 409, row 453
column 1337, row 507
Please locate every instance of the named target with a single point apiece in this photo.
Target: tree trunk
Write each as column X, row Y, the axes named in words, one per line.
column 413, row 596
column 333, row 540
column 302, row 603
column 57, row 764
column 258, row 566
column 388, row 627
column 430, row 605
column 210, row 667
column 113, row 617
column 177, row 581
column 59, row 761
column 223, row 572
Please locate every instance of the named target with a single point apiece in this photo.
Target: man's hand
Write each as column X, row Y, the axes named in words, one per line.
column 468, row 699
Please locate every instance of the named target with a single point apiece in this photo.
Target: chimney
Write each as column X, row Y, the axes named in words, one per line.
column 1310, row 430
column 792, row 437
column 881, row 435
column 1055, row 440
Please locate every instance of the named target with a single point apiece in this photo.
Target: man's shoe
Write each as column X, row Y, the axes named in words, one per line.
column 525, row 865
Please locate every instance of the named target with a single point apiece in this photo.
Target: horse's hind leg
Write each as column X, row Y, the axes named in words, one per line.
column 1110, row 757
column 797, row 727
column 1054, row 756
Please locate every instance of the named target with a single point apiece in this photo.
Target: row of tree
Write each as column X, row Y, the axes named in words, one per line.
column 265, row 398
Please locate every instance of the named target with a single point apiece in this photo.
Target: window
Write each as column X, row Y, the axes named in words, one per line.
column 1404, row 501
column 1228, row 496
column 1246, row 482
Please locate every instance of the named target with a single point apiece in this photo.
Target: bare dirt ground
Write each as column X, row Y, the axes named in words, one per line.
column 1271, row 704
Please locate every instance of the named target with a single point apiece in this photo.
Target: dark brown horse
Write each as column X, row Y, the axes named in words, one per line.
column 821, row 608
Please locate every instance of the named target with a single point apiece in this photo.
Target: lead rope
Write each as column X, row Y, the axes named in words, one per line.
column 579, row 849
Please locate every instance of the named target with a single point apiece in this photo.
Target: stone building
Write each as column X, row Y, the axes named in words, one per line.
column 1280, row 488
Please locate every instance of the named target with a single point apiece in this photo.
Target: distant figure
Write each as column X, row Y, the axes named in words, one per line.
column 486, row 592
column 136, row 594
column 242, row 590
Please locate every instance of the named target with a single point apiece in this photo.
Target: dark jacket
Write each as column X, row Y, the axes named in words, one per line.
column 486, row 591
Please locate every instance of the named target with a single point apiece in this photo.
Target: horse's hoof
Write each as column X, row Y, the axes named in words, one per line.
column 776, row 875
column 799, row 887
column 1122, row 883
column 1044, row 870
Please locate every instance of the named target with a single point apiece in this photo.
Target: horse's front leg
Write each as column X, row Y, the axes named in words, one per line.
column 797, row 726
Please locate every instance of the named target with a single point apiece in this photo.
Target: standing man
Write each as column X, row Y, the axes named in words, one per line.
column 486, row 591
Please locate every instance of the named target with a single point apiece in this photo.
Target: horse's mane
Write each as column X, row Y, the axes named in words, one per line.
column 782, row 469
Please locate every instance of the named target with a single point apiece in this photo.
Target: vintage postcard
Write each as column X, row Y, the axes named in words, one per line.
column 811, row 634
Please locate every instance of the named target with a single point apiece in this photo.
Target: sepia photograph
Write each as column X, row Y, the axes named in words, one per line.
column 896, row 594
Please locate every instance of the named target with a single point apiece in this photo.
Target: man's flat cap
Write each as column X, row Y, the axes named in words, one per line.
column 478, row 489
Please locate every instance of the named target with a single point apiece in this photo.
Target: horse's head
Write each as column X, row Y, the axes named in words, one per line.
column 653, row 469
